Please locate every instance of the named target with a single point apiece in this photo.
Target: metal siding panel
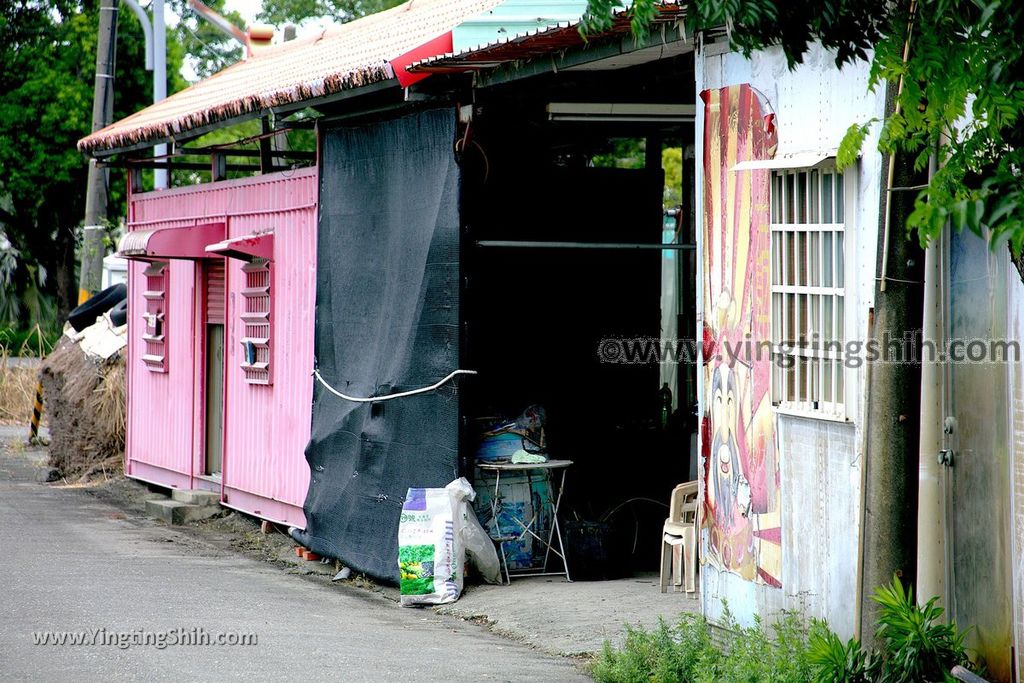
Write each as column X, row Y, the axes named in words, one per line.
column 814, row 121
column 1015, row 378
column 266, row 427
column 979, row 485
column 160, row 406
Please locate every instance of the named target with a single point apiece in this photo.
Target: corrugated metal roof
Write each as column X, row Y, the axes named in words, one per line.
column 533, row 43
column 511, row 18
column 340, row 58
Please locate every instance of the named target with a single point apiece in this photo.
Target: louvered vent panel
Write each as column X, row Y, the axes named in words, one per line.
column 155, row 317
column 256, row 322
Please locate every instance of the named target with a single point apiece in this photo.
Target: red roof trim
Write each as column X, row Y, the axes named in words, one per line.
column 437, row 46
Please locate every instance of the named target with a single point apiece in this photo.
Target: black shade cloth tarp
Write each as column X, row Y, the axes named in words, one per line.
column 387, row 320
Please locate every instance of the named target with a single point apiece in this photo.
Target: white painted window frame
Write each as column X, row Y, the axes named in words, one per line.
column 807, row 296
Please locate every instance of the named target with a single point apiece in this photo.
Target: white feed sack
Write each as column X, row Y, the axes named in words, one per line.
column 437, row 528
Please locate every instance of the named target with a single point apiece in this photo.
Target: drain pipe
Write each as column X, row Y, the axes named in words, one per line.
column 934, row 458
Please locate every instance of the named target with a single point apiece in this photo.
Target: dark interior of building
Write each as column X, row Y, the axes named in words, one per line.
column 541, row 193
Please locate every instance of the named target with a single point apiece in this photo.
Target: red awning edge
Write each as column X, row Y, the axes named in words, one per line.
column 170, row 243
column 246, row 247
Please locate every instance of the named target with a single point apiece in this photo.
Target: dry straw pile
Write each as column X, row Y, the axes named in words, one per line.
column 84, row 400
column 17, row 391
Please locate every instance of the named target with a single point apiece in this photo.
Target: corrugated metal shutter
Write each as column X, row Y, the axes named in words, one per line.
column 215, row 299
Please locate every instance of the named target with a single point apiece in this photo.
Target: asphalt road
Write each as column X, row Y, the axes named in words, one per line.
column 69, row 563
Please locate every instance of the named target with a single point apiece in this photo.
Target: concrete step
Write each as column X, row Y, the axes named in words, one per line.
column 177, row 512
column 195, row 497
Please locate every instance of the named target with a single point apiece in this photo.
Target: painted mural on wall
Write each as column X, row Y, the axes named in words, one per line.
column 740, row 516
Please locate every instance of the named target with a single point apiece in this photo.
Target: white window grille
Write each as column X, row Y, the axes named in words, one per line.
column 256, row 322
column 808, row 290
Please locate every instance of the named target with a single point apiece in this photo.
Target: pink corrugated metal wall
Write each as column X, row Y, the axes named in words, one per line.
column 266, row 428
column 160, row 405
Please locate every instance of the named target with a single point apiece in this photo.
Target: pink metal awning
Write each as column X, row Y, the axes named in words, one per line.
column 246, row 247
column 171, row 243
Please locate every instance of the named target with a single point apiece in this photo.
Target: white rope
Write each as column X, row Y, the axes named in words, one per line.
column 375, row 399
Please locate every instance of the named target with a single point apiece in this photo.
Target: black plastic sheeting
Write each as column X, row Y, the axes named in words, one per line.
column 387, row 320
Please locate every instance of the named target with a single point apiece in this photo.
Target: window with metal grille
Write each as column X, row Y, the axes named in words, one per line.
column 256, row 322
column 154, row 335
column 807, row 219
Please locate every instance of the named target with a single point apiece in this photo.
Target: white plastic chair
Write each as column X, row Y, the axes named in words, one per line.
column 679, row 539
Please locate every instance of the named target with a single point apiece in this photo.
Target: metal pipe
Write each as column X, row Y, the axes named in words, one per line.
column 183, row 166
column 541, row 244
column 858, row 604
column 931, row 506
column 161, row 177
column 147, row 30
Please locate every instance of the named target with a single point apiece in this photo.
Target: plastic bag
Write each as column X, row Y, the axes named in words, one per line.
column 470, row 532
column 437, row 528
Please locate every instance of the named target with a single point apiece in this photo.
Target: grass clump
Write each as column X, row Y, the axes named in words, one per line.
column 686, row 651
column 17, row 390
column 915, row 644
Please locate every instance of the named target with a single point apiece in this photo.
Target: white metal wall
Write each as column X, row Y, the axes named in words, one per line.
column 819, row 460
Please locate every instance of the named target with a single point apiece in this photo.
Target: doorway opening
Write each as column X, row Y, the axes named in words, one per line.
column 579, row 297
column 214, row 320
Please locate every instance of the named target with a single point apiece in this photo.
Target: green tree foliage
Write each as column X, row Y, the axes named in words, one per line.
column 47, row 63
column 622, row 153
column 197, row 42
column 962, row 94
column 279, row 12
column 672, row 164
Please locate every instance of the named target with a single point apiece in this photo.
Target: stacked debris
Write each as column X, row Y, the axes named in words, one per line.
column 84, row 392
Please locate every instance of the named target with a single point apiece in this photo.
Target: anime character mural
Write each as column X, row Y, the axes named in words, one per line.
column 740, row 516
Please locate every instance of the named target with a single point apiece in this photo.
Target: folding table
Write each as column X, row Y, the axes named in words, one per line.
column 552, row 502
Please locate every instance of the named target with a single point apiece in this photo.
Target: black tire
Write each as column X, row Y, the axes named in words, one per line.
column 86, row 314
column 119, row 313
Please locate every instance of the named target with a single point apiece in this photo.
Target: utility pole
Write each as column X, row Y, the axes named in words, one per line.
column 893, row 411
column 91, row 267
column 892, row 441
